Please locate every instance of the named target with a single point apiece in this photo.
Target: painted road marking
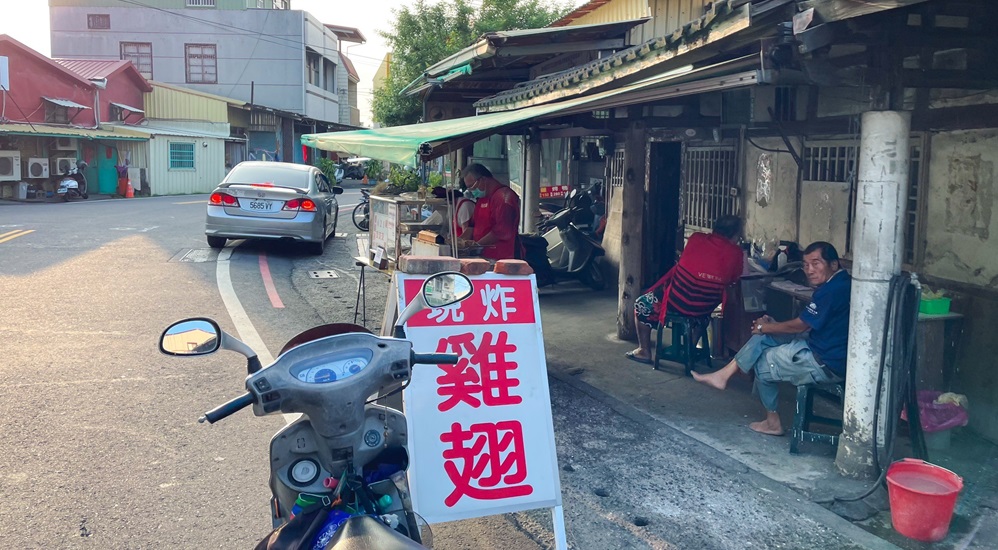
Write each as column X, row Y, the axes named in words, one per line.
column 268, row 283
column 11, row 235
column 136, row 229
column 244, row 327
column 191, row 202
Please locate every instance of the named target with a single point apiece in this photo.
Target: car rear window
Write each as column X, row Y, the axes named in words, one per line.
column 269, row 175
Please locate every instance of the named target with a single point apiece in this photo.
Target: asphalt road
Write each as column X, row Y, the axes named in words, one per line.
column 101, row 448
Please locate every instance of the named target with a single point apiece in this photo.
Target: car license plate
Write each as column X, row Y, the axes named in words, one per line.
column 260, row 206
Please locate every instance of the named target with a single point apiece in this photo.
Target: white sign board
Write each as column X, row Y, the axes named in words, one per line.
column 481, row 438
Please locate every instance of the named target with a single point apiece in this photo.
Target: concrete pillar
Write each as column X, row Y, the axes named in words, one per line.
column 878, row 247
column 532, row 185
column 630, row 282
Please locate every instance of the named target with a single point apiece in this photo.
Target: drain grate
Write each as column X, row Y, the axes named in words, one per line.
column 327, row 274
column 195, row 255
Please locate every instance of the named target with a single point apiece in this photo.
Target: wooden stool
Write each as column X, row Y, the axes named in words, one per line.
column 689, row 341
column 804, row 415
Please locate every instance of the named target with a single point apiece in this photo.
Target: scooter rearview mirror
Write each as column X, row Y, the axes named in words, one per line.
column 444, row 289
column 440, row 290
column 197, row 336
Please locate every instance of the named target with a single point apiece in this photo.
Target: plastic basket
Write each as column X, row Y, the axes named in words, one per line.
column 934, row 306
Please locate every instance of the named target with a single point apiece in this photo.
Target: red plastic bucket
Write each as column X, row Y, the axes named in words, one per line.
column 922, row 497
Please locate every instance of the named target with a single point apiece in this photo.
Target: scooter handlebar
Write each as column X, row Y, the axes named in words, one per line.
column 225, row 409
column 435, row 358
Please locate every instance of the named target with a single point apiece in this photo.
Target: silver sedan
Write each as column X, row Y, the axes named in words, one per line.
column 273, row 200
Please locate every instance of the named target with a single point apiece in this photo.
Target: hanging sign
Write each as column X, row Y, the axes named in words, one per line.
column 481, row 437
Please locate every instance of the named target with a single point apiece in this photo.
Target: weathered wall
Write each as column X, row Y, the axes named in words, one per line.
column 770, row 191
column 961, row 246
column 960, row 202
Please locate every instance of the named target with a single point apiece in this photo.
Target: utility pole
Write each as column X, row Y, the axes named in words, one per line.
column 878, row 247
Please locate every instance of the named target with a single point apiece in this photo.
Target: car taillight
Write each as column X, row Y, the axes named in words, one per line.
column 223, row 199
column 300, row 204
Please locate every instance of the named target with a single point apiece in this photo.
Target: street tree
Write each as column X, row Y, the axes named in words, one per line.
column 426, row 32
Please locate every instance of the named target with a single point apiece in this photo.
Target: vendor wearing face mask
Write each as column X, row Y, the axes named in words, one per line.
column 496, row 220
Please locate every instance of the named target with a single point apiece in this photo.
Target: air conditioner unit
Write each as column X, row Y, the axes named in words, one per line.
column 38, row 168
column 10, row 165
column 62, row 165
column 65, row 144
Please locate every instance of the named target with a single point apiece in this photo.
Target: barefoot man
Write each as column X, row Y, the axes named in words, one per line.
column 780, row 352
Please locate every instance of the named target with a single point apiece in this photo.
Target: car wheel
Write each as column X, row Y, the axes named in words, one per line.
column 317, row 248
column 216, row 242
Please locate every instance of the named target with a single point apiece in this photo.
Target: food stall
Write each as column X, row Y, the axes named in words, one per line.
column 406, row 224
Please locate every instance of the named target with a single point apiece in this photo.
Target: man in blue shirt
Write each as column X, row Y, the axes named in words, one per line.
column 781, row 352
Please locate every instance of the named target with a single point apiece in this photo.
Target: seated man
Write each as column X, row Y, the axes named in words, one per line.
column 695, row 285
column 779, row 352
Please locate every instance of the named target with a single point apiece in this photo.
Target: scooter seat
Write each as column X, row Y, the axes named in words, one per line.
column 367, row 533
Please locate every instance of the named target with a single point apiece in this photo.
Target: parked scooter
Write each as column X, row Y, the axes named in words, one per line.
column 337, row 472
column 73, row 184
column 563, row 251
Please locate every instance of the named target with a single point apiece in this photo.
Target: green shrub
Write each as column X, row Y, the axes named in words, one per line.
column 434, row 179
column 328, row 167
column 403, row 178
column 374, row 169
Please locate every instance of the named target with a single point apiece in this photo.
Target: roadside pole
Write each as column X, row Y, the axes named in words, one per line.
column 532, row 184
column 877, row 248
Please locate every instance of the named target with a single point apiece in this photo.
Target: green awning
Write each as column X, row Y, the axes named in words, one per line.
column 410, row 144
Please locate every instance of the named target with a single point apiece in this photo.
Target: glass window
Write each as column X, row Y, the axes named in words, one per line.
column 181, row 155
column 98, row 21
column 56, row 114
column 140, row 54
column 201, row 61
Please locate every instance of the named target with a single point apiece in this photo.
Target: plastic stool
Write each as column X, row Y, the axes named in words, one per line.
column 684, row 348
column 804, row 415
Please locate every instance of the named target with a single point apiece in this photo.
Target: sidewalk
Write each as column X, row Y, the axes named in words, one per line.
column 582, row 349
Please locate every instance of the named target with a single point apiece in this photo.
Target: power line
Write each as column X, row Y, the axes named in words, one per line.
column 287, row 41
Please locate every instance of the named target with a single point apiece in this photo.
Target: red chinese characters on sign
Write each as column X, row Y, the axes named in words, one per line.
column 493, row 303
column 482, row 374
column 486, row 461
column 495, row 447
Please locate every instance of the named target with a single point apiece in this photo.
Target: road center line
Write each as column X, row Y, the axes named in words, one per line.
column 268, row 283
column 244, row 327
column 10, row 235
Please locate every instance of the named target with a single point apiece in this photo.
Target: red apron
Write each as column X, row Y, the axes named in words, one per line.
column 483, row 226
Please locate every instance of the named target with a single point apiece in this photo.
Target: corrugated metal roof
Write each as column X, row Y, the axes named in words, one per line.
column 112, row 132
column 96, row 69
column 93, row 68
column 578, row 12
column 155, row 131
column 349, row 66
column 659, row 53
column 64, row 103
column 135, row 110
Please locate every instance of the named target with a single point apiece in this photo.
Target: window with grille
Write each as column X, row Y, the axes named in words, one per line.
column 98, row 21
column 181, row 155
column 201, row 62
column 785, row 104
column 56, row 114
column 140, row 54
column 200, row 3
column 709, row 185
column 837, row 161
column 616, row 172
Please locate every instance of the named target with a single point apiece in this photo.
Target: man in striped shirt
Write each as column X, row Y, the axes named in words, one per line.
column 695, row 285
